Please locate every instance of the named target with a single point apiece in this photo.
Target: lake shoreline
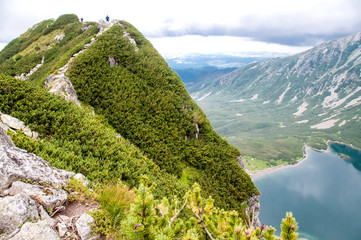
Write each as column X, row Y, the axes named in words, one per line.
column 263, row 172
column 260, row 173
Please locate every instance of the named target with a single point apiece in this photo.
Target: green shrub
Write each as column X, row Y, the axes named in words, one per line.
column 18, row 57
column 289, row 227
column 61, row 22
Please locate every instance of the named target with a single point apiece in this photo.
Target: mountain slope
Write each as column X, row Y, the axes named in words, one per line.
column 118, row 73
column 193, row 78
column 269, row 109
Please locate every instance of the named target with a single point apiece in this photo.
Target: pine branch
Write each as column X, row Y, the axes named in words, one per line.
column 175, row 216
column 161, row 213
column 202, row 221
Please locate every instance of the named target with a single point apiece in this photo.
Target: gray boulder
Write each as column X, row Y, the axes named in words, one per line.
column 15, row 210
column 83, row 225
column 40, row 230
column 48, row 197
column 17, row 164
column 81, row 178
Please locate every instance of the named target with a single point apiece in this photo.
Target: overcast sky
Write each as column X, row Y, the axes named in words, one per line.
column 177, row 27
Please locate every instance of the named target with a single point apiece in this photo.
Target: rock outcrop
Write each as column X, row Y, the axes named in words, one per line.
column 59, row 37
column 241, row 163
column 48, row 197
column 83, row 224
column 253, row 210
column 59, row 84
column 29, row 188
column 9, row 122
column 18, row 165
column 104, row 25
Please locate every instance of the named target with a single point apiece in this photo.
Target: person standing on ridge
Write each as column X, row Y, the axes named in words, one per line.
column 107, row 18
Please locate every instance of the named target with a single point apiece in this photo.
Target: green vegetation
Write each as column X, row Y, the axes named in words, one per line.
column 254, row 164
column 188, row 217
column 289, row 227
column 72, row 139
column 146, row 102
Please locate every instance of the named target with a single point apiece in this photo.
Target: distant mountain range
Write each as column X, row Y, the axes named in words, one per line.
column 194, row 69
column 196, row 61
column 270, row 109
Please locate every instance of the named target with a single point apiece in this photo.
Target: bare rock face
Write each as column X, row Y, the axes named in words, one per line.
column 15, row 210
column 59, row 37
column 253, row 210
column 40, row 230
column 83, row 29
column 60, row 84
column 105, row 25
column 5, row 139
column 17, row 164
column 241, row 163
column 48, row 197
column 112, row 62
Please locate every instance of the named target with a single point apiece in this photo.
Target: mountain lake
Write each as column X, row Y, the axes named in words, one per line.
column 323, row 192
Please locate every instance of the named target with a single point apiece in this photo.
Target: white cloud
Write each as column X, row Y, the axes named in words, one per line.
column 183, row 45
column 288, row 23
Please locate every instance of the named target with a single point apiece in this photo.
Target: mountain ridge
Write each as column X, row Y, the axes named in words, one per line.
column 122, row 79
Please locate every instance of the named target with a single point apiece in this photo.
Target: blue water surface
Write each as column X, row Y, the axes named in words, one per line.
column 323, row 192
